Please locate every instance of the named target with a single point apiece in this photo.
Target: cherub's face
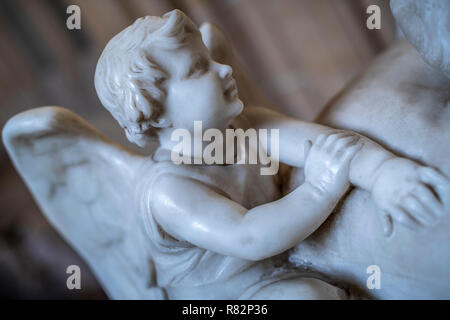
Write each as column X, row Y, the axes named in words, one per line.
column 198, row 88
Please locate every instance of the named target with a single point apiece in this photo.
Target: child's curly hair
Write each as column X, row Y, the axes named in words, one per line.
column 128, row 81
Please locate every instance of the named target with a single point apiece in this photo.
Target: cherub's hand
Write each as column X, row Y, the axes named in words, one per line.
column 410, row 194
column 328, row 160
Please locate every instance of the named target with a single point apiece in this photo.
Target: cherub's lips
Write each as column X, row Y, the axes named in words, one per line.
column 230, row 92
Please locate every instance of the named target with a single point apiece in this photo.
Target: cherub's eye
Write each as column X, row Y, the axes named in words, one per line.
column 198, row 68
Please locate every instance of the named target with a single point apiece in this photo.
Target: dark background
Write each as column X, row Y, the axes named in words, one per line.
column 299, row 52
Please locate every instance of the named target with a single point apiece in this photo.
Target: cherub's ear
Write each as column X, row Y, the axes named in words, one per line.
column 216, row 42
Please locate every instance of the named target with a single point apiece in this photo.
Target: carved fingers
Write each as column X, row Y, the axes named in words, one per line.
column 328, row 160
column 338, row 147
column 425, row 201
column 412, row 195
column 437, row 181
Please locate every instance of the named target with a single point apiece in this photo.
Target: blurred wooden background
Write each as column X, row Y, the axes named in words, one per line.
column 299, row 52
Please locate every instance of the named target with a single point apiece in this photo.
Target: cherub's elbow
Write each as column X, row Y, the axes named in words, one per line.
column 253, row 249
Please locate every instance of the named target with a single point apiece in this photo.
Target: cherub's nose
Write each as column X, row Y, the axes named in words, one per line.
column 224, row 70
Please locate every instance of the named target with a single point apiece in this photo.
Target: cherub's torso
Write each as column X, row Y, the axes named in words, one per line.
column 193, row 267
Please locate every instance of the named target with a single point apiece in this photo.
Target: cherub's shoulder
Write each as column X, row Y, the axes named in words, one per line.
column 175, row 199
column 166, row 184
column 172, row 187
column 166, row 191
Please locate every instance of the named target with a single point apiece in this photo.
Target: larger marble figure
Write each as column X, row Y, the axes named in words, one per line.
column 367, row 185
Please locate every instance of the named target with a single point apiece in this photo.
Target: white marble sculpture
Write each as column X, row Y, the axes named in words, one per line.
column 151, row 229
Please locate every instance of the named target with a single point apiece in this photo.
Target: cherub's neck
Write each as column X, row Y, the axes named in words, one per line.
column 197, row 144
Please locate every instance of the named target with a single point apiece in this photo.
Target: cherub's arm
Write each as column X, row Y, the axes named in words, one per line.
column 294, row 133
column 212, row 221
column 399, row 186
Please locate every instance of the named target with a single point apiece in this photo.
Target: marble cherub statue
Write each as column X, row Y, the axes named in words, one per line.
column 152, row 229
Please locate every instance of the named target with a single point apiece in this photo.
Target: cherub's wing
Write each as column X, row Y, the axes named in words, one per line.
column 84, row 184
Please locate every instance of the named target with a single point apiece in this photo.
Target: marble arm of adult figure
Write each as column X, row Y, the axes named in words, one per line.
column 212, row 221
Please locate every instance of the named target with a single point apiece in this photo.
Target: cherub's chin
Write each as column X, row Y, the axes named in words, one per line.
column 237, row 106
